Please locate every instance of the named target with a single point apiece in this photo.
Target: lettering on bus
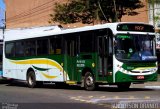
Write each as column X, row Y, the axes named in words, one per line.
column 135, row 27
column 139, row 28
column 80, row 63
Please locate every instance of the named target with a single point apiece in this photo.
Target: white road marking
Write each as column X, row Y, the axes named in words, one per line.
column 152, row 87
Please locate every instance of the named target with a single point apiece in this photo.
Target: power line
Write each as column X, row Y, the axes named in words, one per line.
column 30, row 11
column 17, row 21
column 24, row 12
column 31, row 14
column 29, row 20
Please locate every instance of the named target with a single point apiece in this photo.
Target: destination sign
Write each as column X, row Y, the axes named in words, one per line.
column 135, row 27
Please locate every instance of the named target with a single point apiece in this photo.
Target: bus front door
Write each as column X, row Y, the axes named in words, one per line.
column 104, row 57
column 70, row 58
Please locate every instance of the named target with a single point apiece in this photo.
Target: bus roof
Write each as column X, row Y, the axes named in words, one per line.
column 23, row 33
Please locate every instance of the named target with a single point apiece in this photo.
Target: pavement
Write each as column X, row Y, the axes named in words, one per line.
column 156, row 83
column 149, row 85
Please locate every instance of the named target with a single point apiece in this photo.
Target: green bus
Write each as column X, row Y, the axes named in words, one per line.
column 113, row 53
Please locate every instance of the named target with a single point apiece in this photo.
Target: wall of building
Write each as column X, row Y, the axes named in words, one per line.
column 26, row 13
column 142, row 14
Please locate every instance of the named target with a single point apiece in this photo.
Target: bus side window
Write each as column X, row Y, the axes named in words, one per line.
column 30, row 48
column 55, row 46
column 42, row 47
column 9, row 49
column 19, row 49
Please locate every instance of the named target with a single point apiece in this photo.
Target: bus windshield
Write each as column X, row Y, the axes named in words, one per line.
column 135, row 47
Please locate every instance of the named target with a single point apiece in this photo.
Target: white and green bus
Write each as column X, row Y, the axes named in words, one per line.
column 112, row 53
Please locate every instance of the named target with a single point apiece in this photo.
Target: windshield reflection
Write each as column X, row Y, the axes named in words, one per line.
column 135, row 47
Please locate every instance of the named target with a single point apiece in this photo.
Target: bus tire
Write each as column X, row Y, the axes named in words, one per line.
column 124, row 86
column 89, row 81
column 31, row 79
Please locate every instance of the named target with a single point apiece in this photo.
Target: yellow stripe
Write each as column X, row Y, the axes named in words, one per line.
column 41, row 61
column 71, row 82
column 48, row 76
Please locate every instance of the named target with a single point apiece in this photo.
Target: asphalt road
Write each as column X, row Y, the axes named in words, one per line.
column 18, row 96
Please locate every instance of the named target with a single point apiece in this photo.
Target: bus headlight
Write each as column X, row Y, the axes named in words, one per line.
column 93, row 65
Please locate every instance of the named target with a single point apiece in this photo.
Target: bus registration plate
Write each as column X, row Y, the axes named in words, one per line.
column 140, row 77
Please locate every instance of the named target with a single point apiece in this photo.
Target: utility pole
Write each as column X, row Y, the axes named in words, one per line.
column 115, row 9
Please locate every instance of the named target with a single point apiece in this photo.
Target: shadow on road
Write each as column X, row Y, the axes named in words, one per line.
column 115, row 89
column 18, row 83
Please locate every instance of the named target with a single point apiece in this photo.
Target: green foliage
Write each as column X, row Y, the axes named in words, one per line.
column 89, row 11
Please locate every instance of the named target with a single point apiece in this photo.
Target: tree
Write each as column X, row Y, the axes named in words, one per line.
column 90, row 11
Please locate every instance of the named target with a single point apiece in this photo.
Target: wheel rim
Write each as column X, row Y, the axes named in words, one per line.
column 30, row 80
column 89, row 81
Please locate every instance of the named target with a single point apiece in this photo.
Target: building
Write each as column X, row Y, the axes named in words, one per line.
column 154, row 13
column 27, row 13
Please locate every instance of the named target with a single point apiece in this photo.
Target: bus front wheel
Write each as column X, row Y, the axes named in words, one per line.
column 31, row 79
column 89, row 82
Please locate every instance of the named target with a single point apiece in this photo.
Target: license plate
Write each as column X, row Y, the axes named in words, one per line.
column 140, row 77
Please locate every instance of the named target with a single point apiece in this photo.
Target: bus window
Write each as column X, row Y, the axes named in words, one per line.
column 55, row 45
column 9, row 49
column 42, row 47
column 30, row 48
column 19, row 49
column 87, row 43
column 71, row 45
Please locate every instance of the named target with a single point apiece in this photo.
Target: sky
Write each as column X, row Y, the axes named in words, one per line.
column 2, row 11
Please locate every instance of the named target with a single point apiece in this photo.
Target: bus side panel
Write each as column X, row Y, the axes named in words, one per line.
column 9, row 69
column 69, row 67
column 55, row 68
column 46, row 69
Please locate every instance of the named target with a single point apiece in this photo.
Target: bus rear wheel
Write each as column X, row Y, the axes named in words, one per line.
column 31, row 79
column 89, row 81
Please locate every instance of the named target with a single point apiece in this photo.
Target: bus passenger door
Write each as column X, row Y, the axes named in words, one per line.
column 104, row 56
column 101, row 56
column 70, row 57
